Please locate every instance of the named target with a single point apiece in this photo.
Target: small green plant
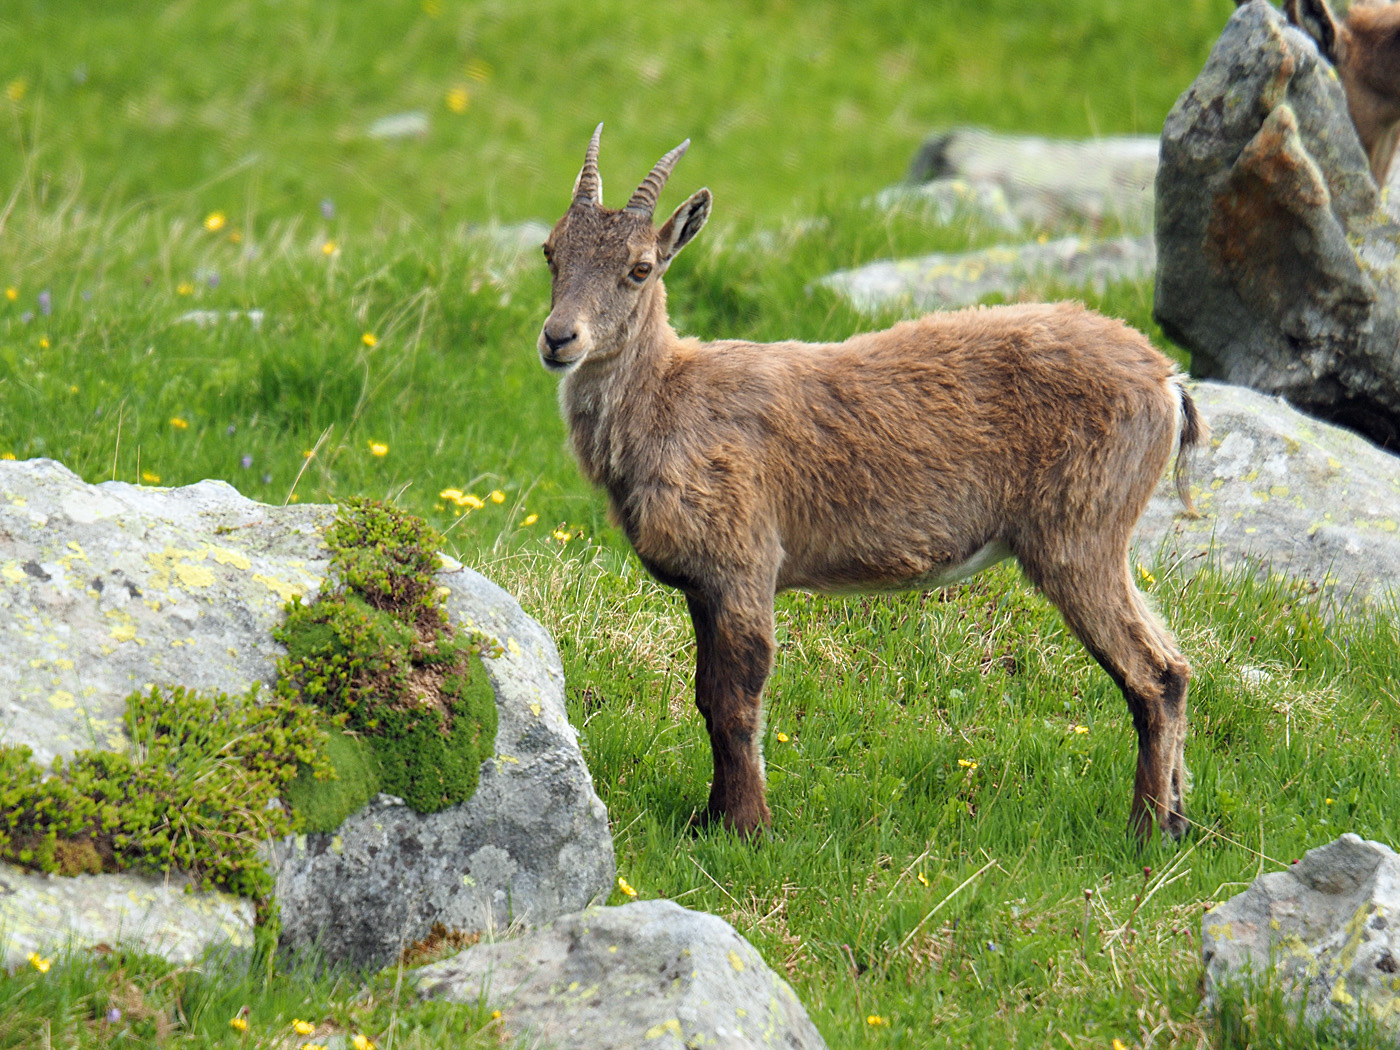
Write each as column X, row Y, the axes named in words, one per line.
column 195, row 791
column 377, row 653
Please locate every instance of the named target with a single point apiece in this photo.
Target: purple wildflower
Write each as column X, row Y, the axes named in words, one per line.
column 113, row 1015
column 328, row 209
column 231, row 430
column 247, row 461
column 46, row 302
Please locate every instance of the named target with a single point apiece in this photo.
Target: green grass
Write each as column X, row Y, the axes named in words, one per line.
column 899, row 883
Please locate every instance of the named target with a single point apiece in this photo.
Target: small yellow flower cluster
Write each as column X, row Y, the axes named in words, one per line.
column 329, row 248
column 369, row 339
column 301, row 1027
column 150, row 478
column 967, row 763
column 1118, row 1044
column 7, row 455
column 179, row 423
column 215, row 221
column 378, row 448
column 625, row 887
column 462, row 499
column 1146, row 576
column 1079, row 730
column 563, row 535
column 184, row 288
column 39, row 962
column 361, row 1042
column 782, row 738
column 238, row 1024
column 876, row 1021
column 457, row 99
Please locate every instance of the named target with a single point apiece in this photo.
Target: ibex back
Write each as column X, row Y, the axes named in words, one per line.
column 902, row 459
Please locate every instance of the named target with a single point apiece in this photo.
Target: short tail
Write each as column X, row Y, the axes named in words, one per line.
column 1193, row 432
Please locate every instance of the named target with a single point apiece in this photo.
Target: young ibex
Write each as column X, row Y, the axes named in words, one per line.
column 903, row 459
column 1364, row 48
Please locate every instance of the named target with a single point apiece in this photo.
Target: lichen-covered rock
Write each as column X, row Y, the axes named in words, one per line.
column 1045, row 182
column 42, row 913
column 650, row 974
column 1286, row 492
column 1326, row 930
column 1276, row 263
column 941, row 280
column 106, row 589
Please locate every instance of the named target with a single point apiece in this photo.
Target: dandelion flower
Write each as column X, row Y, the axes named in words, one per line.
column 308, row 453
column 184, row 288
column 495, row 1015
column 328, row 248
column 1146, row 576
column 150, row 478
column 497, row 496
column 12, row 294
column 43, row 342
column 215, row 221
column 39, row 962
column 782, row 738
column 369, row 339
column 453, row 494
column 1080, row 730
column 301, row 1027
column 458, row 100
column 967, row 763
column 625, row 887
column 563, row 535
column 238, row 1024
column 1327, row 801
column 530, row 519
column 876, row 1021
column 179, row 424
column 361, row 1042
column 468, row 500
column 378, row 448
column 7, row 455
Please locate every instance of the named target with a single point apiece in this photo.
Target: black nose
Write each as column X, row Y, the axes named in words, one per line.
column 555, row 342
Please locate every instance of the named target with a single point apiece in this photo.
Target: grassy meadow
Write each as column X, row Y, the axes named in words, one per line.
column 949, row 772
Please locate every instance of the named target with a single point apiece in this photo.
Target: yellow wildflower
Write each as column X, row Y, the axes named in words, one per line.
column 369, row 339
column 497, row 496
column 468, row 500
column 1147, row 576
column 215, row 221
column 967, row 763
column 378, row 448
column 453, row 494
column 625, row 887
column 301, row 1027
column 39, row 962
column 238, row 1024
column 43, row 342
column 361, row 1042
column 458, row 100
column 313, row 1046
column 12, row 294
column 923, row 878
column 1118, row 1044
column 1080, row 730
column 73, row 389
column 7, row 455
column 876, row 1021
column 782, row 738
column 1327, row 801
column 530, row 519
column 16, row 89
column 563, row 535
column 308, row 453
column 184, row 288
column 328, row 248
column 495, row 1015
column 179, row 424
column 150, row 478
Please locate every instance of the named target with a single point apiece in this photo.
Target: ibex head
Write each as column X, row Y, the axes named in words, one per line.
column 606, row 265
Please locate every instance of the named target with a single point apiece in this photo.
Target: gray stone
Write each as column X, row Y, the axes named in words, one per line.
column 1276, row 264
column 207, row 318
column 106, row 589
column 1282, row 491
column 650, row 974
column 1324, row 930
column 1048, row 182
column 954, row 201
column 937, row 281
column 44, row 914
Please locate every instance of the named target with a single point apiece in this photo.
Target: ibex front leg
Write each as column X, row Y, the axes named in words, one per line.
column 734, row 653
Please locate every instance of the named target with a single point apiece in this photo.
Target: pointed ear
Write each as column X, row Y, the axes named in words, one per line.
column 682, row 226
column 1315, row 18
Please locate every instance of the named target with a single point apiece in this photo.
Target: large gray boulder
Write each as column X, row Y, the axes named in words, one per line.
column 1276, row 263
column 650, row 974
column 1281, row 491
column 106, row 589
column 1325, row 930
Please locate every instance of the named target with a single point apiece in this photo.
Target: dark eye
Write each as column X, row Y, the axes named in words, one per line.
column 548, row 256
column 639, row 272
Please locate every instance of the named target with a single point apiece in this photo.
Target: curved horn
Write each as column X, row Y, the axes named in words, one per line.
column 643, row 202
column 588, row 187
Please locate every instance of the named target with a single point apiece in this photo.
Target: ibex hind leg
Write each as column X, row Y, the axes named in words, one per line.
column 1106, row 613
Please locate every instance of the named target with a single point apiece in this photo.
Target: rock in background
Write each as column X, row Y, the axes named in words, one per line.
column 1328, row 927
column 1276, row 264
column 1286, row 492
column 107, row 589
column 650, row 974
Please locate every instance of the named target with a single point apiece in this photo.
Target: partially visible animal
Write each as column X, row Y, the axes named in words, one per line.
column 1364, row 49
column 901, row 459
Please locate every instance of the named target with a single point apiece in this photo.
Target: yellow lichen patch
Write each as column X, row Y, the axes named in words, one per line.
column 284, row 590
column 735, row 961
column 513, row 646
column 12, row 572
column 124, row 632
column 164, row 564
column 194, row 575
column 656, row 1031
column 224, row 556
column 62, row 699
